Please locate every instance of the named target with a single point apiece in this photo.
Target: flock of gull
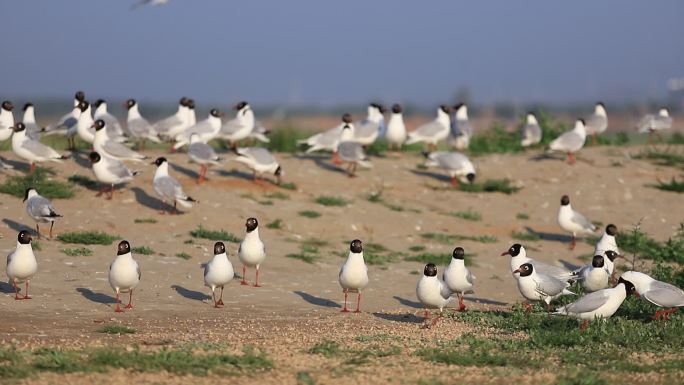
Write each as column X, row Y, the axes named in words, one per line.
column 348, row 142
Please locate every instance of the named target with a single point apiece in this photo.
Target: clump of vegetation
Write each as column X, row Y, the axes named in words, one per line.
column 309, row 214
column 277, row 195
column 494, row 140
column 522, row 216
column 378, row 255
column 184, row 255
column 662, row 158
column 116, row 329
column 330, row 349
column 88, row 238
column 304, row 257
column 674, row 185
column 417, row 248
column 308, row 250
column 83, row 181
column 143, row 250
column 439, row 259
column 214, row 235
column 491, row 185
column 284, row 138
column 78, row 252
column 288, row 186
column 468, row 215
column 36, row 245
column 331, row 201
column 640, row 245
column 275, row 225
column 145, row 220
column 452, row 238
column 305, row 378
column 326, row 348
column 40, row 179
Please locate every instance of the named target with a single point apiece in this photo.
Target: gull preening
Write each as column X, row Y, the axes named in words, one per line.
column 395, row 134
column 124, row 274
column 535, row 286
column 597, row 123
column 653, row 124
column 252, row 251
column 573, row 222
column 353, row 275
column 21, row 264
column 218, row 272
column 168, row 188
column 202, row 154
column 458, row 278
column 40, row 209
column 110, row 172
column 659, row 293
column 434, row 131
column 531, row 132
column 460, row 130
column 457, row 165
column 519, row 257
column 31, row 150
column 570, row 141
column 432, row 292
column 260, row 161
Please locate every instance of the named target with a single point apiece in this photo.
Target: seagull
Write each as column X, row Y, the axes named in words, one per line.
column 139, row 127
column 114, row 129
column 124, row 274
column 33, row 130
column 570, row 141
column 191, row 118
column 21, row 264
column 84, row 127
column 573, row 222
column 432, row 132
column 326, row 140
column 259, row 132
column 607, row 241
column 659, row 293
column 536, row 286
column 67, row 123
column 205, row 130
column 240, row 127
column 32, row 150
column 432, row 293
column 531, row 133
column 597, row 123
column 653, row 124
column 6, row 120
column 595, row 277
column 367, row 130
column 202, row 154
column 260, row 161
column 354, row 274
column 395, row 135
column 168, row 188
column 218, row 272
column 168, row 128
column 252, row 251
column 519, row 257
column 461, row 129
column 351, row 151
column 104, row 145
column 110, row 172
column 599, row 304
column 40, row 209
column 456, row 164
column 458, row 277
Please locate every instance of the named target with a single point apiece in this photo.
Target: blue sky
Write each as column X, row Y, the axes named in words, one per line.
column 324, row 53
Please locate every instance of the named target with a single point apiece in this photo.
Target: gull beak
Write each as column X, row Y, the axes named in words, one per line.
column 516, row 271
column 620, row 256
column 636, row 294
column 30, row 238
column 505, row 253
column 92, row 125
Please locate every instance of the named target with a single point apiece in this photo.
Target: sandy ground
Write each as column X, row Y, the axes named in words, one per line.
column 298, row 305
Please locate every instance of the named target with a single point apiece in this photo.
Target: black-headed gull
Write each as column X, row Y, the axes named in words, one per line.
column 67, row 123
column 595, row 276
column 260, row 161
column 21, row 264
column 326, row 140
column 659, row 293
column 597, row 123
column 173, row 125
column 366, row 131
column 114, row 129
column 458, row 278
column 570, row 141
column 6, row 120
column 432, row 292
column 252, row 251
column 395, row 135
column 599, row 304
column 33, row 130
column 202, row 154
column 573, row 222
column 139, row 128
column 519, row 256
column 531, row 132
column 31, row 150
column 456, row 164
column 353, row 275
column 434, row 131
column 218, row 272
column 461, row 130
column 536, row 286
column 240, row 127
column 104, row 145
column 607, row 241
column 40, row 209
column 205, row 130
column 168, row 188
column 653, row 124
column 84, row 127
column 109, row 172
column 124, row 274
column 351, row 151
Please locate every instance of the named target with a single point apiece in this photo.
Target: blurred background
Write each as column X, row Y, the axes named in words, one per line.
column 312, row 57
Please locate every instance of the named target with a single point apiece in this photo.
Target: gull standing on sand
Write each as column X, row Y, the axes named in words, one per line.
column 457, row 165
column 168, row 188
column 114, row 130
column 351, row 151
column 173, row 125
column 205, row 130
column 570, row 141
column 104, row 145
column 109, row 171
column 599, row 304
column 21, row 264
column 519, row 257
column 240, row 127
column 252, row 251
column 366, row 131
column 33, row 130
column 659, row 293
column 536, row 286
column 597, row 123
column 218, row 272
column 432, row 293
column 327, row 140
column 124, row 274
column 6, row 120
column 67, row 123
column 395, row 135
column 458, row 277
column 31, row 150
column 139, row 128
column 595, row 277
column 202, row 154
column 573, row 222
column 531, row 132
column 433, row 132
column 353, row 275
column 461, row 129
column 260, row 161
column 84, row 127
column 40, row 209
column 653, row 124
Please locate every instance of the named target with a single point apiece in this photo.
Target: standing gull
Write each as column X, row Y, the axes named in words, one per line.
column 519, row 257
column 433, row 132
column 114, row 129
column 573, row 222
column 653, row 124
column 599, row 304
column 124, row 274
column 597, row 123
column 205, row 130
column 168, row 188
column 240, row 127
column 395, row 135
column 456, row 164
column 173, row 125
column 104, row 145
column 218, row 272
column 570, row 141
column 607, row 241
column 461, row 129
column 531, row 132
column 21, row 264
column 366, row 131
column 458, row 277
column 659, row 293
column 40, row 209
column 252, row 251
column 351, row 151
column 84, row 127
column 353, row 275
column 6, row 120
column 139, row 128
column 202, row 154
column 109, row 171
column 536, row 286
column 31, row 150
column 326, row 140
column 432, row 293
column 33, row 130
column 595, row 277
column 260, row 161
column 67, row 123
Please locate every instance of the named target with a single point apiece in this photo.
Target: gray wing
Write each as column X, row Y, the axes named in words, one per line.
column 119, row 169
column 582, row 221
column 33, row 131
column 231, row 126
column 119, row 150
column 430, row 129
column 450, row 160
column 66, row 121
column 365, row 128
column 462, row 127
column 548, row 285
column 202, row 151
column 350, row 151
column 139, row 127
column 470, row 277
column 165, row 125
column 203, row 127
column 595, row 123
column 137, row 267
column 258, row 154
column 552, row 270
column 40, row 207
column 664, row 294
column 531, row 131
column 588, row 303
column 9, row 257
column 568, row 141
column 112, row 125
column 39, row 149
column 168, row 187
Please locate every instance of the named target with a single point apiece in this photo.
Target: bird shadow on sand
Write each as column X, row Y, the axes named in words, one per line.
column 190, row 294
column 96, row 297
column 16, row 226
column 485, row 301
column 550, row 236
column 6, row 287
column 408, row 302
column 185, row 171
column 322, row 162
column 546, row 156
column 81, row 159
column 149, row 201
column 234, row 173
column 434, row 175
column 318, row 301
column 406, row 317
column 16, row 165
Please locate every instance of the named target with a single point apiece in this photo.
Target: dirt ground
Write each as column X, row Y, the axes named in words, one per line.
column 298, row 305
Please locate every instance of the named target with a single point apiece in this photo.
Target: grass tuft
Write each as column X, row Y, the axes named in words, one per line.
column 525, row 236
column 145, row 220
column 88, row 238
column 40, row 179
column 468, row 215
column 522, row 216
column 83, row 181
column 214, row 235
column 331, row 201
column 276, row 225
column 143, row 250
column 116, row 329
column 491, row 185
column 309, row 214
column 450, row 239
column 184, row 255
column 78, row 252
column 439, row 259
column 674, row 185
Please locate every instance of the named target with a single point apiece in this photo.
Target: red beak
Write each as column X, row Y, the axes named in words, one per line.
column 505, row 253
column 516, row 271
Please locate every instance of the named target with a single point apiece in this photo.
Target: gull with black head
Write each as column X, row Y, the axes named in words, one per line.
column 252, row 251
column 218, row 272
column 353, row 275
column 432, row 292
column 22, row 264
column 124, row 274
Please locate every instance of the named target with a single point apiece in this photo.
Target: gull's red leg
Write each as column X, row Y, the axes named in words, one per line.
column 244, row 275
column 220, row 301
column 256, row 284
column 118, row 302
column 358, row 303
column 130, row 300
column 344, row 309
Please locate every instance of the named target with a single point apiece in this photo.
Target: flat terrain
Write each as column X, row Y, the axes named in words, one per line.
column 297, row 309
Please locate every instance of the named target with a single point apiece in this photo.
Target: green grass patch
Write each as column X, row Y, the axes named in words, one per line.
column 78, row 252
column 641, row 245
column 673, row 185
column 417, row 248
column 305, row 378
column 88, row 238
column 288, row 186
column 491, row 185
column 522, row 216
column 143, row 250
column 275, row 225
column 326, row 348
column 116, row 329
column 668, row 158
column 495, row 140
column 331, row 349
column 309, row 214
column 304, row 257
column 214, row 235
column 184, row 255
column 468, row 215
column 331, row 201
column 277, row 195
column 439, row 259
column 36, row 245
column 40, row 179
column 145, row 220
column 284, row 138
column 83, row 181
column 451, row 238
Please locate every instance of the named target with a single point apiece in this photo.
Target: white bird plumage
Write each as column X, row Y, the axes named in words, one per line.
column 353, row 275
column 124, row 274
column 252, row 251
column 22, row 264
column 218, row 272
